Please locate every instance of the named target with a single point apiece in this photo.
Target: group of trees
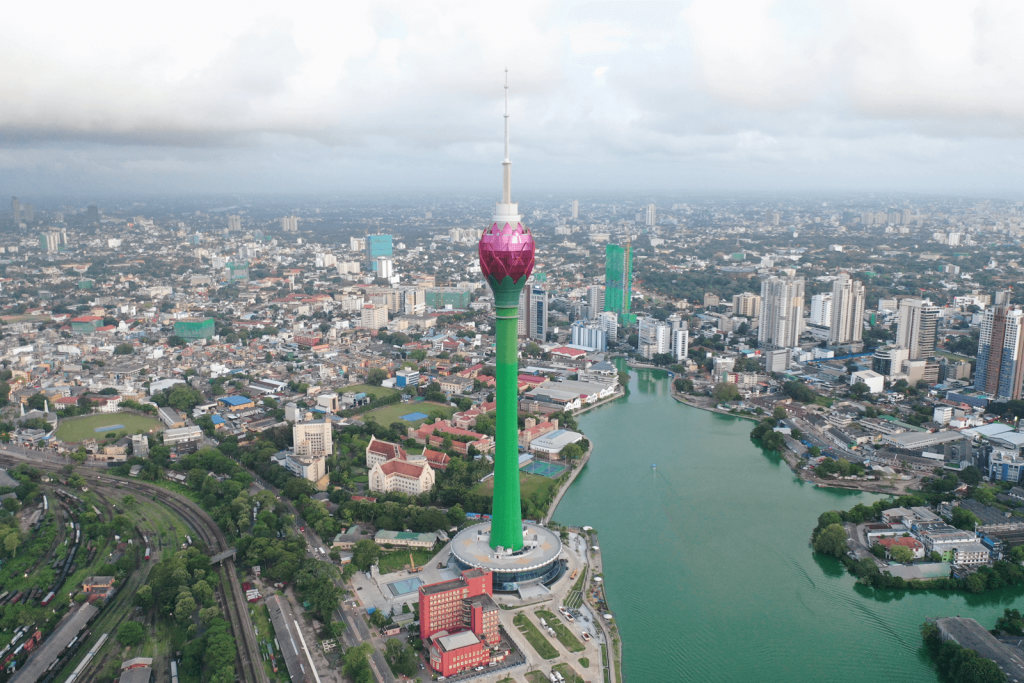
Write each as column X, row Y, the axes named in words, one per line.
column 829, row 538
column 764, row 434
column 958, row 664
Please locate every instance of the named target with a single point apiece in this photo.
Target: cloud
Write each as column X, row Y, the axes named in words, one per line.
column 613, row 93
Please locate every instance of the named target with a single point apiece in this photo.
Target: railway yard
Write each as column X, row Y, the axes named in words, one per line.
column 72, row 640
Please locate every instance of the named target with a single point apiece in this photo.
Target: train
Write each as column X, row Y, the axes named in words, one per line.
column 273, row 661
column 88, row 657
column 147, row 553
column 46, row 505
column 174, row 671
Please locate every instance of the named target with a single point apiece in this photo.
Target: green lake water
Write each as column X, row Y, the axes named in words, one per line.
column 707, row 562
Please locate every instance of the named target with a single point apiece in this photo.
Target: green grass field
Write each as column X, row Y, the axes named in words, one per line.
column 528, row 483
column 80, row 429
column 564, row 635
column 538, row 640
column 393, row 413
column 399, row 559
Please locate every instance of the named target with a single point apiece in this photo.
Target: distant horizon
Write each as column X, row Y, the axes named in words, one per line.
column 648, row 98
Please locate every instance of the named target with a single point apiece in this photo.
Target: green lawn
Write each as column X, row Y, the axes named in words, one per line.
column 533, row 635
column 568, row 673
column 564, row 635
column 399, row 559
column 376, row 392
column 80, row 429
column 528, row 483
column 394, row 412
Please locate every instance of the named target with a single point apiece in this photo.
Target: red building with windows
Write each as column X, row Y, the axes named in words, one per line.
column 459, row 622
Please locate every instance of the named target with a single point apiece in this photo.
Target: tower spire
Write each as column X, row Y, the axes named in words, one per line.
column 506, row 165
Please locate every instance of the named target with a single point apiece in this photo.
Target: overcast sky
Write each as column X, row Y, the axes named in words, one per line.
column 659, row 97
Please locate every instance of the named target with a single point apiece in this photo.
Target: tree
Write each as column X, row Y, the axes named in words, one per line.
column 11, row 542
column 901, row 554
column 376, row 376
column 184, row 607
column 964, row 519
column 779, row 413
column 970, row 475
column 338, row 628
column 131, row 633
column 1011, row 622
column 357, row 666
column 831, row 541
column 726, row 391
column 683, row 385
column 125, row 349
column 798, row 391
column 365, row 554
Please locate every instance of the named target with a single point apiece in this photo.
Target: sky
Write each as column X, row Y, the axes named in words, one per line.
column 651, row 97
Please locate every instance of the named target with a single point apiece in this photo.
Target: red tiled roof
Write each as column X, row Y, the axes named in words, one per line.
column 436, row 459
column 386, row 448
column 400, row 467
column 566, row 351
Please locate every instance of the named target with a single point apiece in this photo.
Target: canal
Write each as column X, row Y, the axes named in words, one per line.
column 707, row 564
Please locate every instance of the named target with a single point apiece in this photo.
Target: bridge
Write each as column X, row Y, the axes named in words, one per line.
column 220, row 557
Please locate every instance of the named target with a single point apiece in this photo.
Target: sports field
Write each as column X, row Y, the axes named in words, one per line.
column 543, row 468
column 395, row 412
column 82, row 428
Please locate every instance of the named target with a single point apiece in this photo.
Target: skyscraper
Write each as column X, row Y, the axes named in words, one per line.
column 289, row 224
column 16, row 209
column 782, row 312
column 595, row 301
column 847, row 311
column 377, row 246
column 650, row 215
column 915, row 331
column 575, row 209
column 654, row 337
column 235, row 223
column 821, row 310
column 746, row 304
column 538, row 314
column 1000, row 367
column 618, row 281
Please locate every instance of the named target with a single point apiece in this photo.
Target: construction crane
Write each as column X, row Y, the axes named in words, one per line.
column 412, row 565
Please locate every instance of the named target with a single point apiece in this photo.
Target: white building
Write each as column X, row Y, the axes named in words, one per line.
column 821, row 310
column 654, row 337
column 782, row 311
column 918, row 320
column 610, row 324
column 874, row 381
column 385, row 267
column 848, row 298
column 410, row 478
column 373, row 317
column 312, row 438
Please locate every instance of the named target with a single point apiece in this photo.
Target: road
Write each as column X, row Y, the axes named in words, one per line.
column 357, row 632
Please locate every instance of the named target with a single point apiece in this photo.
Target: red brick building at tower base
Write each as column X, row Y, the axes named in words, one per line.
column 459, row 622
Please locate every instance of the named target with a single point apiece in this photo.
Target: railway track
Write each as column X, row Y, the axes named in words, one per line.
column 250, row 663
column 233, row 600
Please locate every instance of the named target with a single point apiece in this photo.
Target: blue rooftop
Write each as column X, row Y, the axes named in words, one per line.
column 218, row 420
column 235, row 400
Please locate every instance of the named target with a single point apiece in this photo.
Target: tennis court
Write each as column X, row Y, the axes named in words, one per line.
column 544, row 469
column 405, row 586
column 412, row 417
column 109, row 428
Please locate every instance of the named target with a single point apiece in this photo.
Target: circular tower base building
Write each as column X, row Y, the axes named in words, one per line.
column 536, row 563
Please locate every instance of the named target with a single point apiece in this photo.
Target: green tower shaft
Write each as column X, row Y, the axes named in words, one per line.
column 506, row 515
